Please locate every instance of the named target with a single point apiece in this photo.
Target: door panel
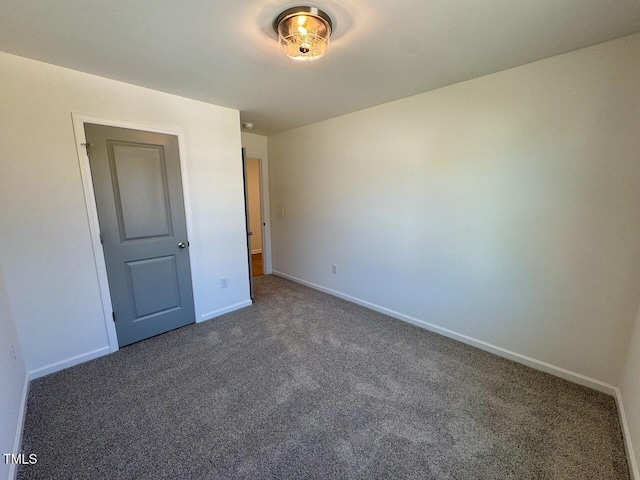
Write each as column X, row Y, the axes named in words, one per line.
column 140, row 186
column 154, row 285
column 138, row 189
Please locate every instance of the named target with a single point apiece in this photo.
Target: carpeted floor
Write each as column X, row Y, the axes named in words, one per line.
column 304, row 385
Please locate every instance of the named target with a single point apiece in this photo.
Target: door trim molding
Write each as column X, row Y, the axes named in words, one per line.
column 79, row 119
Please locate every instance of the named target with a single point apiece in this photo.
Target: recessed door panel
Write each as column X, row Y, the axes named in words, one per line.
column 154, row 285
column 138, row 189
column 141, row 191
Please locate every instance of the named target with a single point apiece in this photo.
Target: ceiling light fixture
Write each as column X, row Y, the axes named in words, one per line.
column 303, row 32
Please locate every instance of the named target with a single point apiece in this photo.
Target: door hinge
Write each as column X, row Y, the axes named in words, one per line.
column 87, row 147
column 113, row 315
column 101, row 238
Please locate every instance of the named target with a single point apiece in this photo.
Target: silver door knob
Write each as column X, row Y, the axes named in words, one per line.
column 182, row 245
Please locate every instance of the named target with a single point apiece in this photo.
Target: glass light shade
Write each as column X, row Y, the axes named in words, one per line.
column 303, row 33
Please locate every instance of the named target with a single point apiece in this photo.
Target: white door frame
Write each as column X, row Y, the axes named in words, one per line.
column 79, row 119
column 265, row 211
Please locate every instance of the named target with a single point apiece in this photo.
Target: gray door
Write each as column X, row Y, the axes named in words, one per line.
column 138, row 189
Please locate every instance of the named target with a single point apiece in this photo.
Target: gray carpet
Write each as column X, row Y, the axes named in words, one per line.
column 304, row 385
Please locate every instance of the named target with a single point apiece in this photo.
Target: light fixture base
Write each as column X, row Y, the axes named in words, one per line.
column 302, row 10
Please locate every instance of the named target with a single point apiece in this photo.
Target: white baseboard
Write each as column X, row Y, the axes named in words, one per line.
column 631, row 458
column 69, row 362
column 22, row 415
column 257, row 250
column 222, row 311
column 502, row 352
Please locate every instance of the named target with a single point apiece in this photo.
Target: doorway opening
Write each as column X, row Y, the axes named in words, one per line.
column 256, row 221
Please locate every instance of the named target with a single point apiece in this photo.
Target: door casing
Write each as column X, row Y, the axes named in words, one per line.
column 79, row 120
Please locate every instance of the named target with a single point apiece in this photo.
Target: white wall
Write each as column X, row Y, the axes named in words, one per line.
column 505, row 208
column 630, row 393
column 13, row 381
column 256, row 147
column 255, row 207
column 48, row 253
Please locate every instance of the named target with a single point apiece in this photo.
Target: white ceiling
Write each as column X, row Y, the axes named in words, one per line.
column 225, row 52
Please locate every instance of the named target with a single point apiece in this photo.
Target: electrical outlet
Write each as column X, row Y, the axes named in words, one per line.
column 334, row 269
column 12, row 352
column 281, row 212
column 224, row 282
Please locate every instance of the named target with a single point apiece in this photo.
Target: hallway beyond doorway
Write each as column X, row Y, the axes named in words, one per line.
column 256, row 261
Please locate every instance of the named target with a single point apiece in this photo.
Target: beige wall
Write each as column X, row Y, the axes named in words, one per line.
column 14, row 381
column 630, row 392
column 255, row 209
column 47, row 252
column 504, row 209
